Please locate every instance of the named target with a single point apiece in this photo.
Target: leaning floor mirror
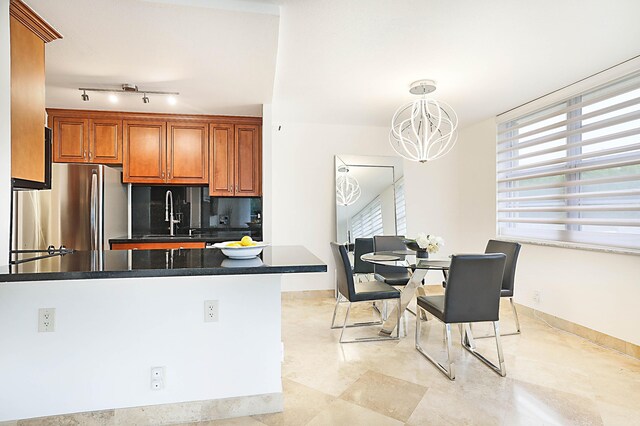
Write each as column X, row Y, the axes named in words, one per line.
column 369, row 197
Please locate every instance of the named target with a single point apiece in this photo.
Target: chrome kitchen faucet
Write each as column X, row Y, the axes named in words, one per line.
column 168, row 212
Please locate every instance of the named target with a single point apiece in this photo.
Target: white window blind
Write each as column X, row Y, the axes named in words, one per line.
column 570, row 172
column 401, row 219
column 368, row 221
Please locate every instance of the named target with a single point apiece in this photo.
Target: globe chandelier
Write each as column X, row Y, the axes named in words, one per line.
column 347, row 188
column 425, row 129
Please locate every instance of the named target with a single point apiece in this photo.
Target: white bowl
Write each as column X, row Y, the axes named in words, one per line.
column 247, row 252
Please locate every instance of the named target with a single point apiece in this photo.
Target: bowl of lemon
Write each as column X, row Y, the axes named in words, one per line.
column 246, row 248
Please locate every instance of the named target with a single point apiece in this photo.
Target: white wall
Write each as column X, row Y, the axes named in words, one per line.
column 302, row 201
column 5, row 131
column 455, row 197
column 110, row 332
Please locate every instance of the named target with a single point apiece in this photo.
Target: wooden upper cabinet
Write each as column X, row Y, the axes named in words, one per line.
column 105, row 137
column 28, row 35
column 70, row 140
column 235, row 161
column 248, row 161
column 187, row 153
column 222, row 163
column 83, row 140
column 144, row 151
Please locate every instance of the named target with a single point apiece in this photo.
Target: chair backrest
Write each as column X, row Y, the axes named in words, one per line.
column 473, row 288
column 362, row 246
column 389, row 243
column 346, row 285
column 511, row 250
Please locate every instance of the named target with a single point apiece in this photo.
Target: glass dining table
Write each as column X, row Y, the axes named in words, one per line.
column 418, row 268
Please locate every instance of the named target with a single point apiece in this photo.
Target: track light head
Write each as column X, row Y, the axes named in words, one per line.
column 85, row 97
column 145, row 99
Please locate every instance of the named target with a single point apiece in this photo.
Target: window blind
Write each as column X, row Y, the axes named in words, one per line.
column 570, row 172
column 401, row 219
column 368, row 221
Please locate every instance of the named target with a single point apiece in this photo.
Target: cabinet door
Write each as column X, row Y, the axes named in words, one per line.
column 187, row 153
column 248, row 174
column 105, row 137
column 70, row 140
column 145, row 151
column 27, row 101
column 221, row 166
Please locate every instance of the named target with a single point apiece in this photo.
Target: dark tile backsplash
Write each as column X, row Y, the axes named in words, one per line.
column 222, row 218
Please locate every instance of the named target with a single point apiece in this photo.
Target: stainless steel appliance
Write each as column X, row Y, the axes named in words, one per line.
column 87, row 205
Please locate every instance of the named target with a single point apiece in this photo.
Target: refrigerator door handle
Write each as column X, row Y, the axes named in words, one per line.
column 94, row 210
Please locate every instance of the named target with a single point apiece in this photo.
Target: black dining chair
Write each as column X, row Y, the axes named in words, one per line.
column 361, row 268
column 353, row 292
column 472, row 295
column 511, row 250
column 389, row 274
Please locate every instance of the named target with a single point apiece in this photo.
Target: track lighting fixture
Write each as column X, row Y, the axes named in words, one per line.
column 129, row 88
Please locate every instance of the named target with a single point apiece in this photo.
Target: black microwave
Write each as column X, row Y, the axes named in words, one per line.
column 18, row 184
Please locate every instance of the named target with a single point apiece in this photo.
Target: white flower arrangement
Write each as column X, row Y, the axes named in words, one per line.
column 431, row 243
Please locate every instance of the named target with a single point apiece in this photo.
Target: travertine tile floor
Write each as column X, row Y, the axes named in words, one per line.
column 553, row 378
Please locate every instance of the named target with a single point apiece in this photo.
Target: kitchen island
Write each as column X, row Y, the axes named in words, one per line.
column 118, row 314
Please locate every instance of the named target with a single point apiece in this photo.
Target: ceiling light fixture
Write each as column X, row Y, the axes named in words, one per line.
column 347, row 188
column 425, row 129
column 129, row 89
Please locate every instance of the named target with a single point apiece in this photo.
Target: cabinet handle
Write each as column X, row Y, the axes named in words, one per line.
column 90, row 155
column 84, row 155
column 236, row 187
column 162, row 175
column 230, row 188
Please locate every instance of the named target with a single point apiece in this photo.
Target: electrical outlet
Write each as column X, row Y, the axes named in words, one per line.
column 46, row 320
column 210, row 311
column 537, row 296
column 157, row 378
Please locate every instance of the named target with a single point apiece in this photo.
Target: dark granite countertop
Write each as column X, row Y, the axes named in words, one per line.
column 210, row 237
column 161, row 263
column 166, row 238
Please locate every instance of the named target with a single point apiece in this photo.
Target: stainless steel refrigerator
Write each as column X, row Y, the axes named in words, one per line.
column 86, row 206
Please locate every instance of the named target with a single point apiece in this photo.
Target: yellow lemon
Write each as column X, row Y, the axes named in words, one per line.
column 234, row 244
column 246, row 241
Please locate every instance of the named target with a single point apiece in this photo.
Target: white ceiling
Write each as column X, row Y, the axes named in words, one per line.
column 221, row 61
column 334, row 61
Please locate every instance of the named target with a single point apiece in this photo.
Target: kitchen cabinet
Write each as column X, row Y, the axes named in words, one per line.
column 235, row 160
column 175, row 149
column 187, row 153
column 166, row 245
column 77, row 139
column 165, row 152
column 145, row 147
column 28, row 33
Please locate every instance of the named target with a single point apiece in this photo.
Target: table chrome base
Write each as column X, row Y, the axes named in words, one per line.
column 405, row 297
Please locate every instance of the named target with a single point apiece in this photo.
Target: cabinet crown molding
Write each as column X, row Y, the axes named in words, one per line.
column 30, row 19
column 169, row 117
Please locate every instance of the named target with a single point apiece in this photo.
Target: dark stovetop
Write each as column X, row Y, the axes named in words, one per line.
column 157, row 263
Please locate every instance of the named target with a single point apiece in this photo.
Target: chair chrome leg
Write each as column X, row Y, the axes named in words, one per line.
column 335, row 310
column 515, row 315
column 469, row 345
column 450, row 371
column 356, row 324
column 344, row 325
column 359, row 324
